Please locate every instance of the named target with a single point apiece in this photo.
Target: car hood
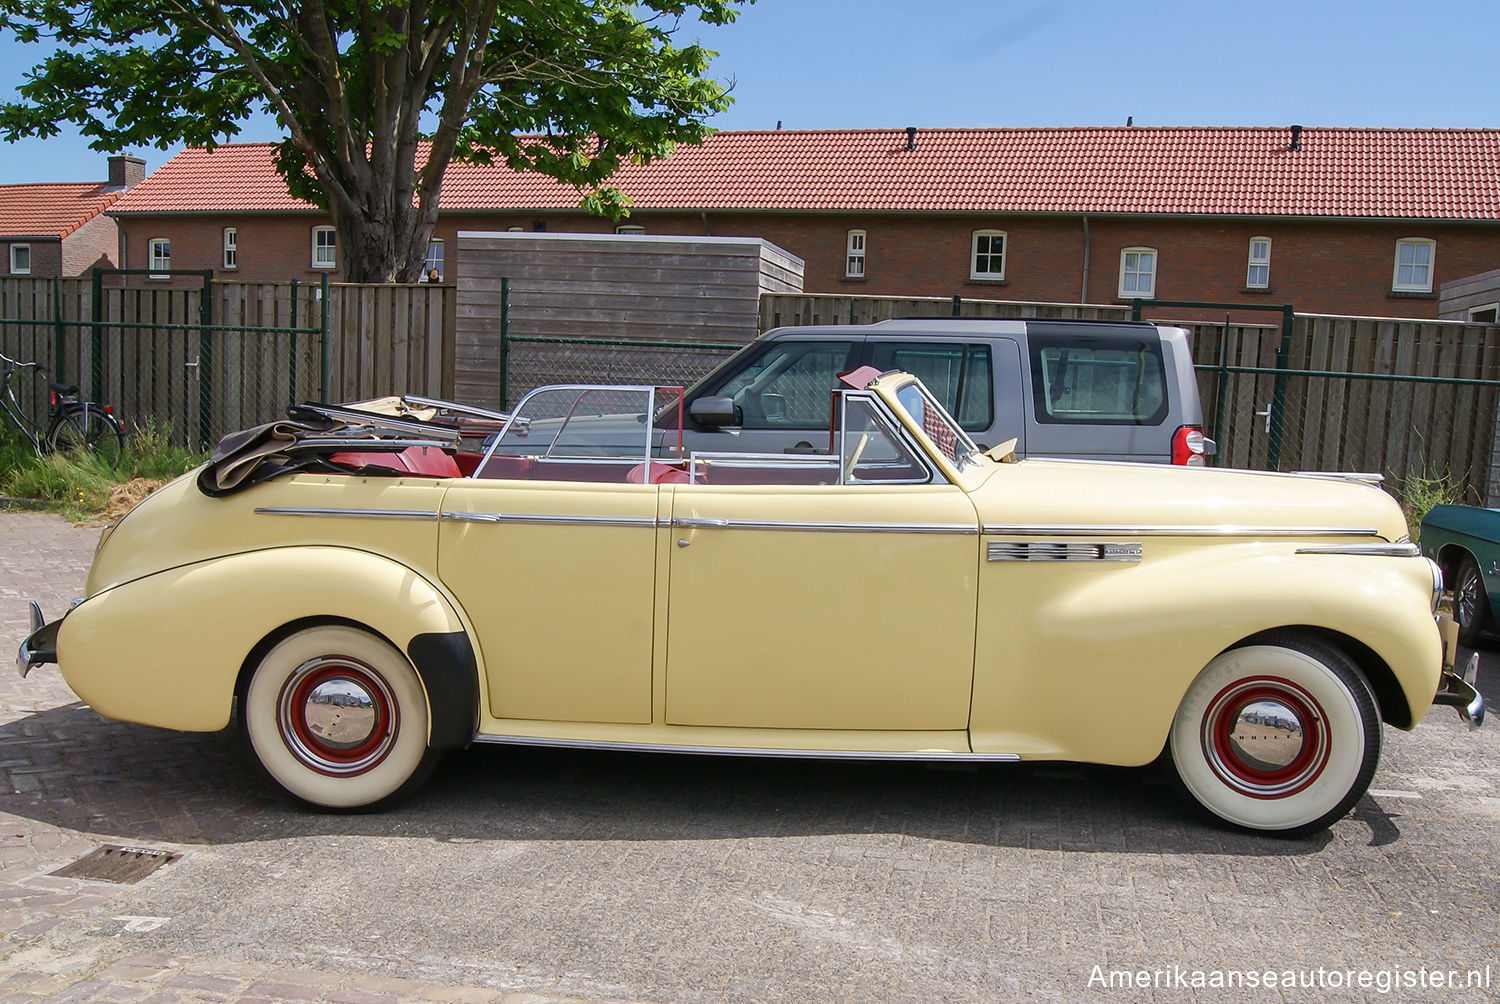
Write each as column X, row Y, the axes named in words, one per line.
column 1068, row 493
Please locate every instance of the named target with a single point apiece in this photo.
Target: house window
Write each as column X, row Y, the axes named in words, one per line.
column 20, row 259
column 1258, row 273
column 988, row 258
column 854, row 256
column 1484, row 315
column 1414, row 265
column 159, row 256
column 630, row 228
column 1138, row 273
column 324, row 248
column 432, row 271
column 231, row 248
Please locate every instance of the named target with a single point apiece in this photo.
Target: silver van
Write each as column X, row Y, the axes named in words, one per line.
column 1096, row 390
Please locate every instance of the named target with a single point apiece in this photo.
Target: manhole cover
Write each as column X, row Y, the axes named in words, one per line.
column 112, row 863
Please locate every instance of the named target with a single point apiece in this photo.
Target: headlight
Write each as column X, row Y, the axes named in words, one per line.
column 1437, row 582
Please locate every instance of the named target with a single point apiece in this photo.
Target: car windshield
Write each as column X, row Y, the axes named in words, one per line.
column 936, row 423
column 603, row 424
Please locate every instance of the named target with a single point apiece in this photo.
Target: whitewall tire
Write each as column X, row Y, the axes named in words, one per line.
column 338, row 717
column 1281, row 737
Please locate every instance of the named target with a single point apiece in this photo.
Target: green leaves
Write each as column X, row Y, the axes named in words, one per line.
column 568, row 88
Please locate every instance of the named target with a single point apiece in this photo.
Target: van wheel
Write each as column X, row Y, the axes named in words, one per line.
column 338, row 718
column 1282, row 737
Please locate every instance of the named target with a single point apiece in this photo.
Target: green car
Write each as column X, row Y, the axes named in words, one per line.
column 1465, row 541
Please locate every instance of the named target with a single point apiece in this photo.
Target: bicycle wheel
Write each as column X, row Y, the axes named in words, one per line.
column 87, row 427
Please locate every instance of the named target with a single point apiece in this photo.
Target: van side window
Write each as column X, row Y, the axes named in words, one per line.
column 959, row 376
column 787, row 385
column 1077, row 380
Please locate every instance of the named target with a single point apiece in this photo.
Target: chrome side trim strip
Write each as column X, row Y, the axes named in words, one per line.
column 272, row 510
column 700, row 523
column 914, row 756
column 1370, row 550
column 1360, row 477
column 548, row 519
column 1021, row 550
column 1224, row 530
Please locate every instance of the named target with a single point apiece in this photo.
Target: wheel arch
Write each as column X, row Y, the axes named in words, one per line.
column 1390, row 699
column 444, row 661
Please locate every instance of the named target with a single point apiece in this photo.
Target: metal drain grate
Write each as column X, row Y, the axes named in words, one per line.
column 112, row 863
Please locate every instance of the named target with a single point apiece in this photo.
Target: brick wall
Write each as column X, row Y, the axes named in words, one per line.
column 1330, row 267
column 46, row 256
column 95, row 244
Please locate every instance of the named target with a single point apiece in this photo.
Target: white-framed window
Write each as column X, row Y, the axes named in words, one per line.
column 20, row 259
column 432, row 270
column 159, row 256
column 324, row 247
column 987, row 255
column 630, row 228
column 854, row 255
column 1488, row 314
column 231, row 248
column 1258, row 271
column 1414, row 258
column 1138, row 273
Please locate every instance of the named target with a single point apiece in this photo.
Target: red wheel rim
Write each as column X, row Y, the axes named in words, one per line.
column 1266, row 737
column 337, row 716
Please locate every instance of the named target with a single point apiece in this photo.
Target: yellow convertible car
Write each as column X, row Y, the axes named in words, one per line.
column 370, row 585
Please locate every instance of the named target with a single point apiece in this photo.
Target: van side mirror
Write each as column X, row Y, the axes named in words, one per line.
column 715, row 411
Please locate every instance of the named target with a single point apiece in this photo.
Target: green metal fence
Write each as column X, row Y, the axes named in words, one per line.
column 182, row 355
column 1415, row 401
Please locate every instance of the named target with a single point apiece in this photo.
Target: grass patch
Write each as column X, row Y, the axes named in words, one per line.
column 1420, row 494
column 86, row 488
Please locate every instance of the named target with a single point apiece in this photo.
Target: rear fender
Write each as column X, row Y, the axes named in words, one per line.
column 167, row 649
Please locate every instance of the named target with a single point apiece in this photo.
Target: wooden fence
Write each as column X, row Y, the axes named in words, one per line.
column 159, row 356
column 779, row 309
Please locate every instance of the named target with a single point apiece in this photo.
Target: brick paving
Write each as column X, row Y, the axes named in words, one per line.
column 531, row 876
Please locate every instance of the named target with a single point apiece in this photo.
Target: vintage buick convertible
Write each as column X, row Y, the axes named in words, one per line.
column 368, row 593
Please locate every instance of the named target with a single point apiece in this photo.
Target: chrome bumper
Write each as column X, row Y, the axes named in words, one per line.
column 40, row 645
column 1458, row 692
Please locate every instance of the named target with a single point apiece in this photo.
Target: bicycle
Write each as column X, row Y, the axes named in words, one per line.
column 72, row 424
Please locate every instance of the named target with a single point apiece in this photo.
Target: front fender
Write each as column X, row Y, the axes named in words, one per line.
column 166, row 649
column 1098, row 674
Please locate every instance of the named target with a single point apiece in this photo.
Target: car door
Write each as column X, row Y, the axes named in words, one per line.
column 558, row 579
column 823, row 606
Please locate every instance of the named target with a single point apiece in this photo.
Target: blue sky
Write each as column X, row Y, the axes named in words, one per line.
column 822, row 64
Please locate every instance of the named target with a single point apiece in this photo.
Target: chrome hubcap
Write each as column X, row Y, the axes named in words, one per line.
column 1266, row 737
column 337, row 716
column 1468, row 599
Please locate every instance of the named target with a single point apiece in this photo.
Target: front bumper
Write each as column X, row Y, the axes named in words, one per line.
column 40, row 646
column 1456, row 690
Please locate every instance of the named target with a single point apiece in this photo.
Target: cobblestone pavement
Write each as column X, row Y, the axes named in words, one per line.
column 550, row 875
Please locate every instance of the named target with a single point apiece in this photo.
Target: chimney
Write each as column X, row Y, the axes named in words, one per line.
column 911, row 137
column 125, row 171
column 1296, row 138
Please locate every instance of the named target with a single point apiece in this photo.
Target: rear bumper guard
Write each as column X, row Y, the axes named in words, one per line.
column 40, row 646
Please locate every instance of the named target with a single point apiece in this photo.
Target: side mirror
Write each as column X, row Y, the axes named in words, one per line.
column 715, row 411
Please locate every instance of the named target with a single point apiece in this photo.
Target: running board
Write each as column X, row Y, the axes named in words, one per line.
column 908, row 756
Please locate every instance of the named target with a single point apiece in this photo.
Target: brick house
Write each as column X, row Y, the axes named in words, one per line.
column 60, row 228
column 1346, row 221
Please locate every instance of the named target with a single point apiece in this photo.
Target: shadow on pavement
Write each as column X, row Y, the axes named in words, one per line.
column 69, row 767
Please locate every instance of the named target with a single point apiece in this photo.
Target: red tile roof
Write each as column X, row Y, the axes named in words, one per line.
column 51, row 210
column 1451, row 174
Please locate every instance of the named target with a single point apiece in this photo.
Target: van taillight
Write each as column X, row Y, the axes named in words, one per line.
column 1187, row 446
